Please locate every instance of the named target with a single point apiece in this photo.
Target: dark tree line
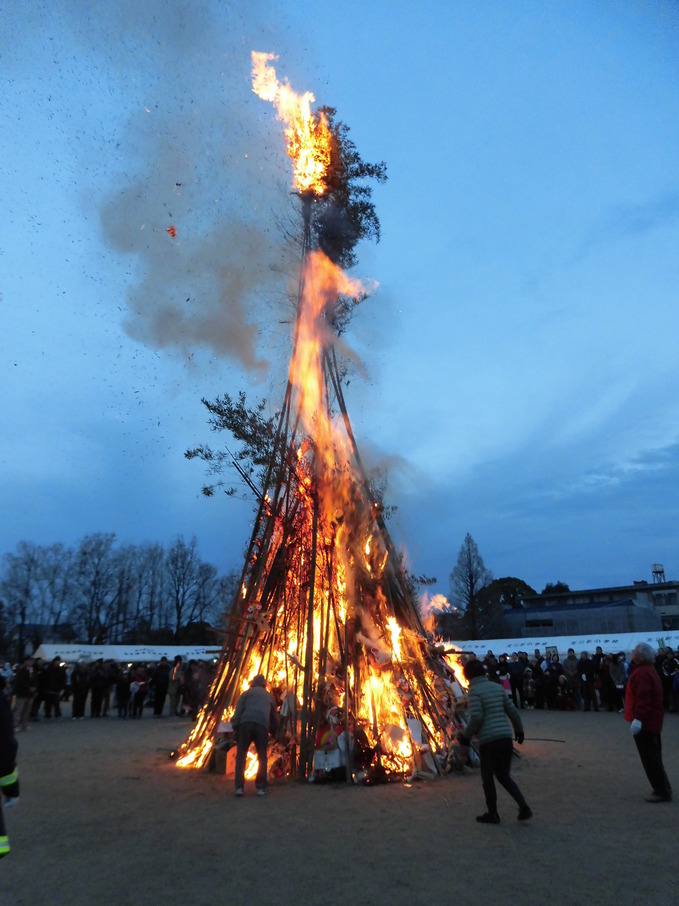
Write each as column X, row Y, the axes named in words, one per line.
column 99, row 592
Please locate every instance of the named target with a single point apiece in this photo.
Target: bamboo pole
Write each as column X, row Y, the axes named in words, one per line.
column 333, row 372
column 346, row 702
column 306, row 748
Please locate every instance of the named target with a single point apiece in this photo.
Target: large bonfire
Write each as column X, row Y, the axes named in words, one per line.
column 324, row 608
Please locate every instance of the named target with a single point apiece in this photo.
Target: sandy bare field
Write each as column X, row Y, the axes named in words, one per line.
column 106, row 817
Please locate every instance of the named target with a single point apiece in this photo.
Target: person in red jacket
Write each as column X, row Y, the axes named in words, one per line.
column 644, row 711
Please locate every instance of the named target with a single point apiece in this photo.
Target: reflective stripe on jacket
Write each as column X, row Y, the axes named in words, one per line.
column 9, row 779
column 9, row 784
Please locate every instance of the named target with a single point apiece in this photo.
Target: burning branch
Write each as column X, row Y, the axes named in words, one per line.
column 308, row 138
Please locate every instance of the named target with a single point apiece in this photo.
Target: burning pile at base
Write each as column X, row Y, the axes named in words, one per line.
column 324, row 609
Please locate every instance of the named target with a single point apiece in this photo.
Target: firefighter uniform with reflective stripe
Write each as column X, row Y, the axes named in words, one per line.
column 9, row 776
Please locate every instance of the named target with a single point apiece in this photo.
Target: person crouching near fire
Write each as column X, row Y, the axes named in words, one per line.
column 254, row 718
column 491, row 718
column 644, row 711
column 9, row 777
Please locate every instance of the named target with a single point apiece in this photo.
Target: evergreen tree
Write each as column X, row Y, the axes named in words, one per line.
column 467, row 580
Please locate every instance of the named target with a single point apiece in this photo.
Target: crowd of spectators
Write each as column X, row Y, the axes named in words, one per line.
column 578, row 682
column 38, row 689
column 103, row 688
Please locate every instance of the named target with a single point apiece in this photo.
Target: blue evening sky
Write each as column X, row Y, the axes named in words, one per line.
column 521, row 375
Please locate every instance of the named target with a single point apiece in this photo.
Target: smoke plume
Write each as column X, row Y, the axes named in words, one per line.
column 201, row 180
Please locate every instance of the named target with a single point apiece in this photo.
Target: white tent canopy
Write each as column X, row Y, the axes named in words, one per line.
column 125, row 653
column 611, row 643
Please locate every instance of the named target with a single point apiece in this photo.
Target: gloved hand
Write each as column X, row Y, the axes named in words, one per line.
column 519, row 738
column 635, row 726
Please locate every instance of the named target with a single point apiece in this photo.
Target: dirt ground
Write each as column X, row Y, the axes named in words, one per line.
column 106, row 817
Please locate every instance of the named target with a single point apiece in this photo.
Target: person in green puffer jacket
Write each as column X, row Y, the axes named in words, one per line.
column 492, row 716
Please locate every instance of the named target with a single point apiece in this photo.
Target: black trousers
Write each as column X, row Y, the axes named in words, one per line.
column 251, row 732
column 159, row 699
column 496, row 760
column 649, row 747
column 52, row 703
column 589, row 695
column 79, row 699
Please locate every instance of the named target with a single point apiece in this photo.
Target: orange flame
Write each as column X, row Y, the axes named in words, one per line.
column 395, row 631
column 323, row 283
column 251, row 766
column 308, row 138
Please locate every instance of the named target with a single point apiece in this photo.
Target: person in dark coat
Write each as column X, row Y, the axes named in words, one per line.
column 9, row 777
column 644, row 712
column 254, row 718
column 138, row 688
column 571, row 669
column 24, row 690
column 80, row 686
column 111, row 674
column 587, row 670
column 668, row 665
column 160, row 681
column 553, row 676
column 619, row 679
column 175, row 685
column 123, row 694
column 196, row 682
column 539, row 680
column 55, row 685
column 98, row 682
column 41, row 673
column 516, row 668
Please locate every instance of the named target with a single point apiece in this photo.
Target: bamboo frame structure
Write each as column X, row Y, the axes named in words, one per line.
column 311, row 598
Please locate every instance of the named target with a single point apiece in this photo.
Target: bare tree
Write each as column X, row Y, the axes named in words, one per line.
column 181, row 564
column 123, row 566
column 128, row 594
column 147, row 592
column 207, row 592
column 96, row 585
column 18, row 589
column 54, row 584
